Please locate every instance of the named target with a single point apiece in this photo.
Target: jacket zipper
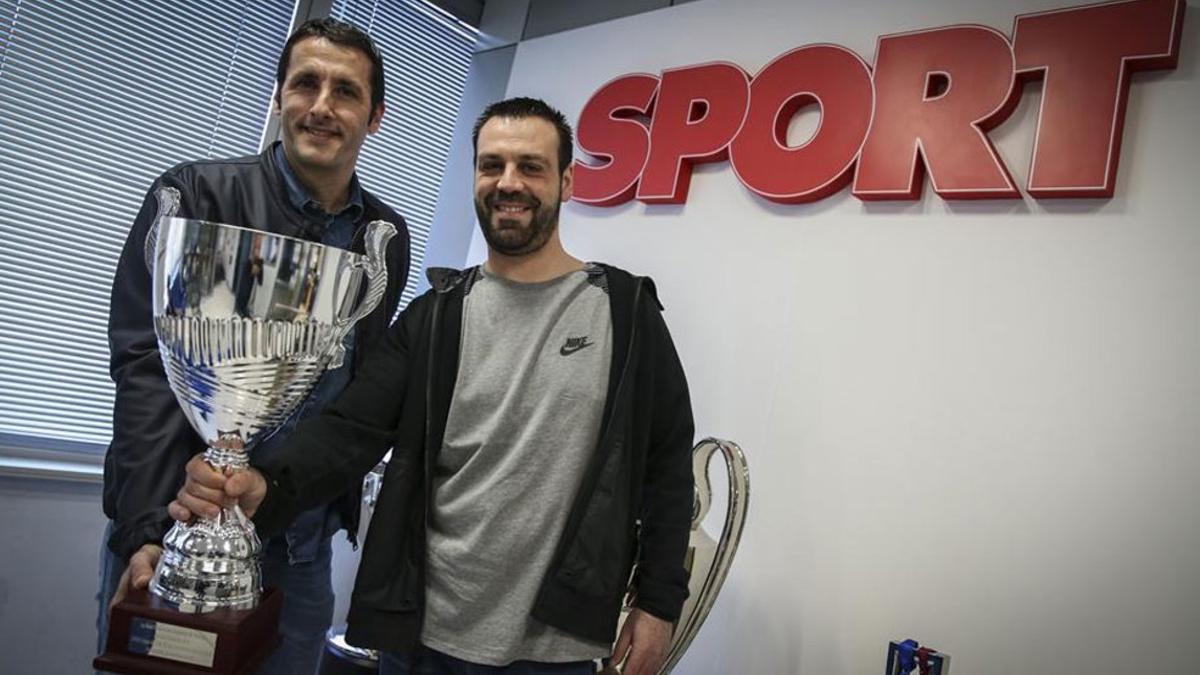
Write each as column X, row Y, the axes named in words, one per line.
column 433, row 331
column 592, row 477
column 427, row 465
column 637, row 298
column 359, row 233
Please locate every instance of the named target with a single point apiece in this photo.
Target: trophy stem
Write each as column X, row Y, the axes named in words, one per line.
column 212, row 563
column 234, row 459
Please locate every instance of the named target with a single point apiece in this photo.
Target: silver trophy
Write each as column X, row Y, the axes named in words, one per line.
column 247, row 321
column 708, row 560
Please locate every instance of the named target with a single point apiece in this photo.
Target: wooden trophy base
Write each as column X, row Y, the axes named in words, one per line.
column 145, row 636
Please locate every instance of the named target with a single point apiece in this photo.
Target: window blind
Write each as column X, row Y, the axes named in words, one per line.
column 426, row 56
column 97, row 99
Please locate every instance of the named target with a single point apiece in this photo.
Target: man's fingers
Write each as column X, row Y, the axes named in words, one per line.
column 179, row 512
column 206, row 490
column 141, row 569
column 636, row 665
column 240, row 483
column 202, row 507
column 249, row 488
column 643, row 660
column 201, row 472
column 122, row 589
column 622, row 646
column 649, row 638
column 139, row 572
column 203, row 493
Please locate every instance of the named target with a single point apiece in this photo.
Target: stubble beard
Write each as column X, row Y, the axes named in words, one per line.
column 511, row 238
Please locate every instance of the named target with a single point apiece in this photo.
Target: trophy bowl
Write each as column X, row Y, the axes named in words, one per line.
column 247, row 321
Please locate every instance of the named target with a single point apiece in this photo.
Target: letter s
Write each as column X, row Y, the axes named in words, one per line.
column 608, row 128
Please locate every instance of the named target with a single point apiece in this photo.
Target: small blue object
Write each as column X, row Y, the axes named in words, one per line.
column 908, row 656
column 905, row 657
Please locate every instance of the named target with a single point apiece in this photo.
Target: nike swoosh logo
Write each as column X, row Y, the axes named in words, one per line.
column 571, row 347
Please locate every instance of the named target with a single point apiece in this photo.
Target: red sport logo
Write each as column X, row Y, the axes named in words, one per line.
column 926, row 106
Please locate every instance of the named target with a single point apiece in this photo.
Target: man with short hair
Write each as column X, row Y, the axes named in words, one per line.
column 541, row 428
column 329, row 98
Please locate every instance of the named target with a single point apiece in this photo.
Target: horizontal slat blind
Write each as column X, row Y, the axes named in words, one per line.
column 97, row 99
column 426, row 56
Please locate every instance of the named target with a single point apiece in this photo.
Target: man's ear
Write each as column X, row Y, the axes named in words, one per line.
column 275, row 102
column 376, row 118
column 568, row 182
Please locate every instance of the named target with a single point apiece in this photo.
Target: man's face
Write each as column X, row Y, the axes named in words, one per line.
column 325, row 106
column 518, row 187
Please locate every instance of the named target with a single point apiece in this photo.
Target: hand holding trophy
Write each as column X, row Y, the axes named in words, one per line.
column 247, row 321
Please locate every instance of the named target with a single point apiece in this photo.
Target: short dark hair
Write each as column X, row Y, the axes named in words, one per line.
column 521, row 107
column 339, row 33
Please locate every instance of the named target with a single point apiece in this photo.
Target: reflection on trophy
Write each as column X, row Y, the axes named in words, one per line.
column 247, row 321
column 708, row 561
column 341, row 657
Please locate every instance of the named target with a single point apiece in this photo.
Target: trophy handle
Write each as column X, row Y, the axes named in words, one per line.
column 379, row 233
column 168, row 206
column 708, row 562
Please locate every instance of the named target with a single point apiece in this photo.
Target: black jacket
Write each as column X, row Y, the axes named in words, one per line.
column 152, row 440
column 635, row 501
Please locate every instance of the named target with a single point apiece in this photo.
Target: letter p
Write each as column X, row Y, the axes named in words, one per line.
column 699, row 110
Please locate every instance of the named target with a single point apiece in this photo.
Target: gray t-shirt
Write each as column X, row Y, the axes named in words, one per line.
column 523, row 423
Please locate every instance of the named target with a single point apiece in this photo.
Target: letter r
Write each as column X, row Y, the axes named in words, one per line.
column 916, row 125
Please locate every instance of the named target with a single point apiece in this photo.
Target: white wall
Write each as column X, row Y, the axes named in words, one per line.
column 454, row 219
column 974, row 424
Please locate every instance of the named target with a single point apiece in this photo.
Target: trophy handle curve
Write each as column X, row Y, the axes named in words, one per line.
column 168, row 206
column 379, row 233
column 706, row 579
column 707, row 561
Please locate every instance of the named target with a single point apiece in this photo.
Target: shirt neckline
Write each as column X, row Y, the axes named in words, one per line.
column 302, row 200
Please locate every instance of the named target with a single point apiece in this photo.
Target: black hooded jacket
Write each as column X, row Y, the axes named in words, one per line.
column 634, row 504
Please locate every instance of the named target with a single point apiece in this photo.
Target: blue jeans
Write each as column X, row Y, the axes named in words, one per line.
column 111, row 569
column 426, row 661
column 307, row 603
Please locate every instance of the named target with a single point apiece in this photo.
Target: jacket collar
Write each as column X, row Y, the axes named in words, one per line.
column 444, row 279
